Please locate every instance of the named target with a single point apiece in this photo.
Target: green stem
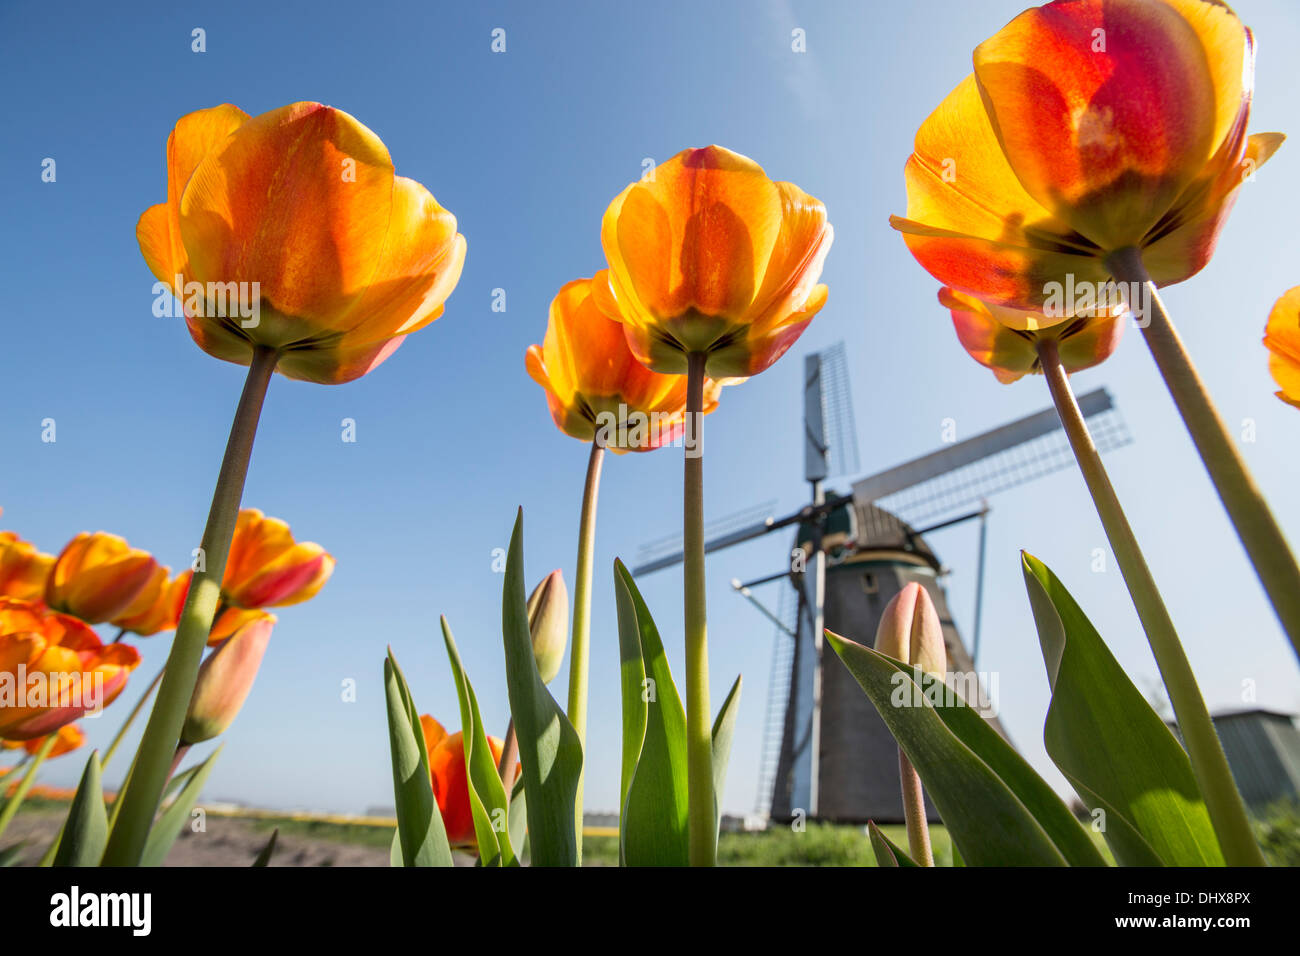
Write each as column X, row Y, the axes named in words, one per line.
column 53, row 849
column 580, row 649
column 1222, row 801
column 144, row 788
column 130, row 718
column 1274, row 562
column 918, row 829
column 16, row 799
column 699, row 740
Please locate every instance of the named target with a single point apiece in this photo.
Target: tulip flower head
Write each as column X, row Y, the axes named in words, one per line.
column 98, row 577
column 548, row 623
column 596, row 388
column 1282, row 338
column 53, row 669
column 710, row 256
column 451, row 782
column 267, row 568
column 910, row 632
column 1006, row 341
column 291, row 231
column 225, row 679
column 1088, row 126
column 23, row 569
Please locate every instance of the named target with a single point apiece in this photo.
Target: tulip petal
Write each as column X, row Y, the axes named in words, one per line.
column 1009, row 353
column 1282, row 338
column 418, row 270
column 1182, row 244
column 1093, row 132
column 299, row 200
column 158, row 231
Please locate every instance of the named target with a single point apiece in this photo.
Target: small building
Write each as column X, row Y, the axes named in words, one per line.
column 1263, row 751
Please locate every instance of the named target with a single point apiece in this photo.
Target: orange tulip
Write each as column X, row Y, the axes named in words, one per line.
column 710, row 256
column 69, row 738
column 267, row 568
column 595, row 386
column 1087, row 127
column 1282, row 337
column 98, row 577
column 1007, row 341
column 450, row 780
column 23, row 569
column 225, row 679
column 158, row 606
column 53, row 669
column 347, row 257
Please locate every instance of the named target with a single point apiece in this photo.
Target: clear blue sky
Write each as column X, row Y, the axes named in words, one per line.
column 527, row 148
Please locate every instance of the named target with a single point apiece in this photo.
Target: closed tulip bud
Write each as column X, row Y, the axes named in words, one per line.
column 98, row 577
column 225, row 679
column 910, row 631
column 548, row 623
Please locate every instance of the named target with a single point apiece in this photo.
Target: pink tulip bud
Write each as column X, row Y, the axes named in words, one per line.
column 910, row 631
column 548, row 623
column 225, row 679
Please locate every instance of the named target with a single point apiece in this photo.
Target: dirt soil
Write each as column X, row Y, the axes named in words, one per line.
column 225, row 842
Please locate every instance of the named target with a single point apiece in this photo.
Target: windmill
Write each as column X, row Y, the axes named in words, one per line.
column 826, row 752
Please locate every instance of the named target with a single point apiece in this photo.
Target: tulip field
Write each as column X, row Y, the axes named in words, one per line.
column 1086, row 161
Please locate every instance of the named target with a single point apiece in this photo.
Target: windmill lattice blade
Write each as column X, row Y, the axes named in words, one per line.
column 964, row 474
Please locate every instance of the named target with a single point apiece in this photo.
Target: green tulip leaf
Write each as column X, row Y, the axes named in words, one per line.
column 177, row 814
column 421, row 838
column 981, row 811
column 888, row 853
column 487, row 794
column 518, row 821
column 653, row 817
column 1051, row 812
column 12, row 854
column 264, row 858
column 549, row 750
column 724, row 728
column 85, row 832
column 1111, row 745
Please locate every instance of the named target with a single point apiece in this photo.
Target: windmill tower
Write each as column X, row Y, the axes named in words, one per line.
column 827, row 754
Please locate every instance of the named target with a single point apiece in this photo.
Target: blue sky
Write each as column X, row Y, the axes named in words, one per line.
column 527, row 147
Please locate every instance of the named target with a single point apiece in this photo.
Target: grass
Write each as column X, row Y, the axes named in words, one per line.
column 817, row 844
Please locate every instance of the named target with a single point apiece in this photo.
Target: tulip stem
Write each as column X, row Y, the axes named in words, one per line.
column 702, row 829
column 1260, row 535
column 20, row 793
column 918, row 829
column 130, row 718
column 144, row 788
column 1222, row 801
column 580, row 650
